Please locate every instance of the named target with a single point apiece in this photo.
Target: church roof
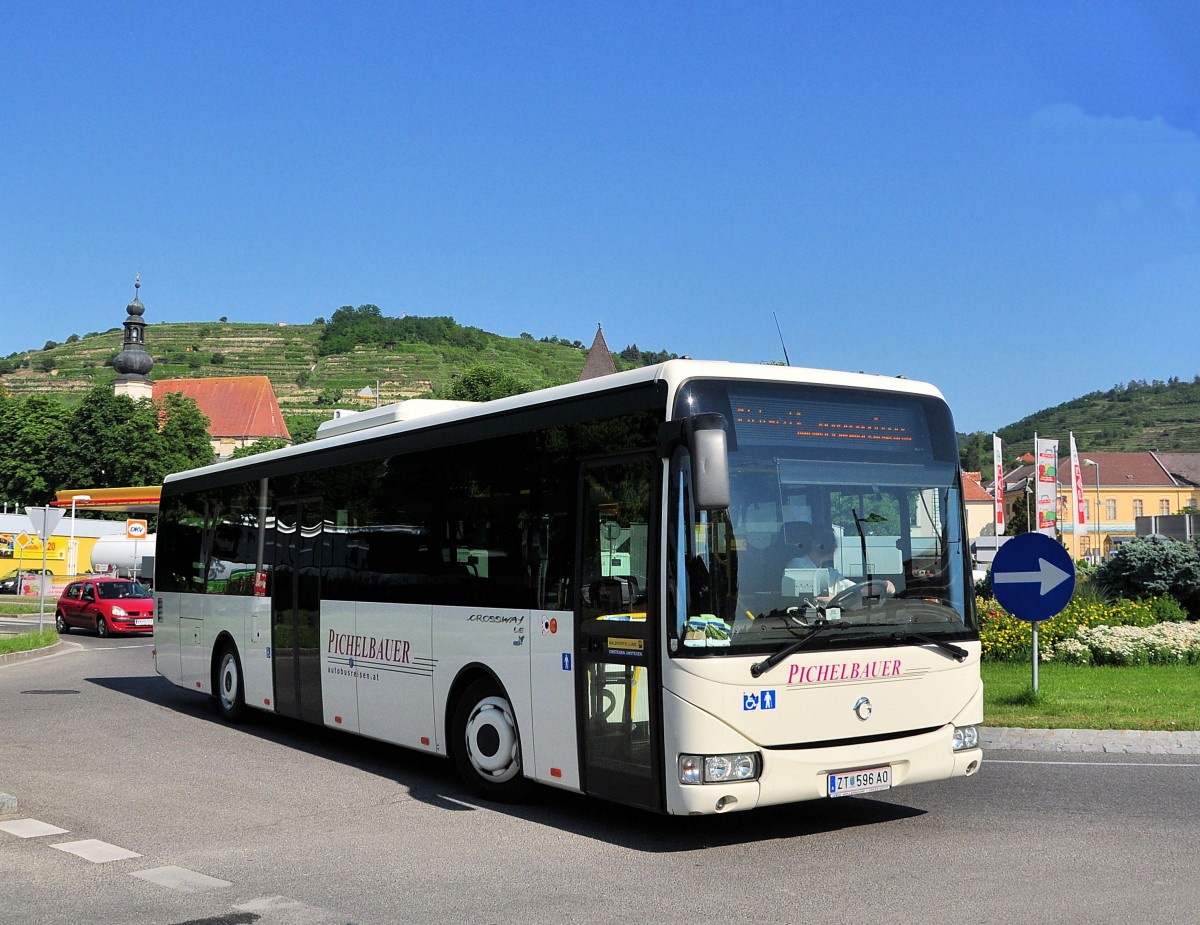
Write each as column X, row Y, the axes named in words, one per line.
column 240, row 407
column 599, row 359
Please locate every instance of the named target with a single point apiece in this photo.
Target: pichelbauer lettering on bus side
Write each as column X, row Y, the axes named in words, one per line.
column 397, row 651
column 844, row 671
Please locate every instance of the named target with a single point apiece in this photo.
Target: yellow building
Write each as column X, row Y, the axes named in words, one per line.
column 1117, row 489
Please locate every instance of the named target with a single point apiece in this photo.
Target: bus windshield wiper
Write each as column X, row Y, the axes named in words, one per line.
column 760, row 668
column 958, row 652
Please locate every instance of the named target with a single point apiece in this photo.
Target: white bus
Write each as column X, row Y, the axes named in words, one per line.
column 595, row 586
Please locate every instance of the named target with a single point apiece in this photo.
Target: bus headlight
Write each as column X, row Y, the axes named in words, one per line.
column 719, row 769
column 965, row 737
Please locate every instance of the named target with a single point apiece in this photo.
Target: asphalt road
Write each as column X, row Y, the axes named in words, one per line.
column 281, row 824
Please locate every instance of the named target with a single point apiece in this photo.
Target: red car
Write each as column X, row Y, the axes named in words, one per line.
column 106, row 605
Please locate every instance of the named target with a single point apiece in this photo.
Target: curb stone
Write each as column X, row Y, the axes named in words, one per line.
column 1111, row 741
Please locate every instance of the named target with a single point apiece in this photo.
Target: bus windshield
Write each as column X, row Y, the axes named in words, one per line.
column 845, row 508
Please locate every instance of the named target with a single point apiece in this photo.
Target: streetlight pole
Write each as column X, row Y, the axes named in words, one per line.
column 72, row 546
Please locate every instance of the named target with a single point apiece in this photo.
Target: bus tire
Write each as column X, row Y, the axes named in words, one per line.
column 486, row 744
column 230, row 685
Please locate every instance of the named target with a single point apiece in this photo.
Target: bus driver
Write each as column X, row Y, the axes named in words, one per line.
column 816, row 546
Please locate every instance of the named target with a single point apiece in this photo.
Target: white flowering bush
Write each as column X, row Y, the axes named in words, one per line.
column 1072, row 651
column 1160, row 644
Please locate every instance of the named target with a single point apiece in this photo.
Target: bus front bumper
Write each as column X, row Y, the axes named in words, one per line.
column 791, row 775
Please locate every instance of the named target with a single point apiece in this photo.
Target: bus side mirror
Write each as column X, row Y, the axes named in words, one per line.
column 709, row 448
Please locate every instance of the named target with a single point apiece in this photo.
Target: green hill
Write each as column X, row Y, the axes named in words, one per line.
column 312, row 367
column 1156, row 415
column 1138, row 416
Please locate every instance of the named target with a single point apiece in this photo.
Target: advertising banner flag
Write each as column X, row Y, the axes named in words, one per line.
column 1077, row 486
column 1046, row 459
column 998, row 482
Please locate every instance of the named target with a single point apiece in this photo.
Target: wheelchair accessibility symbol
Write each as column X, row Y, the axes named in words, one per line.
column 759, row 700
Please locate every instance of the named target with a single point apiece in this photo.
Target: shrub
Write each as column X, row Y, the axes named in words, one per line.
column 1154, row 567
column 1007, row 638
column 1167, row 610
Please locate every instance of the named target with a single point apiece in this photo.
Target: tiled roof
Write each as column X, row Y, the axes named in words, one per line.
column 972, row 489
column 1119, row 469
column 1116, row 470
column 1184, row 466
column 239, row 407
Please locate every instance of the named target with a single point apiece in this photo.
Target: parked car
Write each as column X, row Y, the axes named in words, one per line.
column 106, row 605
column 8, row 584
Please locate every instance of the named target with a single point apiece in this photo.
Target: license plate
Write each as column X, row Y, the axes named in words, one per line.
column 866, row 780
column 149, row 622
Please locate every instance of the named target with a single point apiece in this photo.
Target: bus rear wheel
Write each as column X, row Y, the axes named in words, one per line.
column 231, row 696
column 486, row 744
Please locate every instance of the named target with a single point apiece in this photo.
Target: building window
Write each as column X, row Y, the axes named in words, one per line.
column 1110, row 509
column 1164, row 506
column 1137, row 507
column 1087, row 510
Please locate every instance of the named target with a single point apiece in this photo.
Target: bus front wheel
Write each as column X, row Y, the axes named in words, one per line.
column 231, row 696
column 486, row 744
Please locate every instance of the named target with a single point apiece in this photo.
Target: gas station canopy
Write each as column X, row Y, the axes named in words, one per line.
column 129, row 500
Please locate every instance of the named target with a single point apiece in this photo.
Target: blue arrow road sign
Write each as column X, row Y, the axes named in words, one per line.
column 1033, row 576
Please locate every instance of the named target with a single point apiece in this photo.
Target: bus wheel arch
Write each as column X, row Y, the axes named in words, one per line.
column 228, row 680
column 484, row 738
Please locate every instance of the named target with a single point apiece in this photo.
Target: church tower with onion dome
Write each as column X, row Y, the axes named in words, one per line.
column 133, row 363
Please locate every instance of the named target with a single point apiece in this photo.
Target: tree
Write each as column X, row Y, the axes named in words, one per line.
column 184, row 431
column 975, row 452
column 302, row 427
column 348, row 328
column 484, row 382
column 33, row 434
column 100, row 437
column 1020, row 514
column 263, row 445
column 116, row 441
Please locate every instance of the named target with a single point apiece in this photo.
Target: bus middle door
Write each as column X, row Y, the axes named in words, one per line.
column 617, row 676
column 296, row 609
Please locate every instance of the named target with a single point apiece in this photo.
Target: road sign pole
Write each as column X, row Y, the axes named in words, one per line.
column 1035, row 655
column 44, row 520
column 42, row 590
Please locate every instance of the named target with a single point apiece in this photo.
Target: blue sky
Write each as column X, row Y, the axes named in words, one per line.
column 1001, row 199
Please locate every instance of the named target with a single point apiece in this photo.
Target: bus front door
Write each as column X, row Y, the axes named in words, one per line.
column 296, row 609
column 617, row 676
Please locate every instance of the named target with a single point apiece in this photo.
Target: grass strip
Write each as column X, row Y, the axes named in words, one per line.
column 26, row 641
column 1092, row 697
column 19, row 606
